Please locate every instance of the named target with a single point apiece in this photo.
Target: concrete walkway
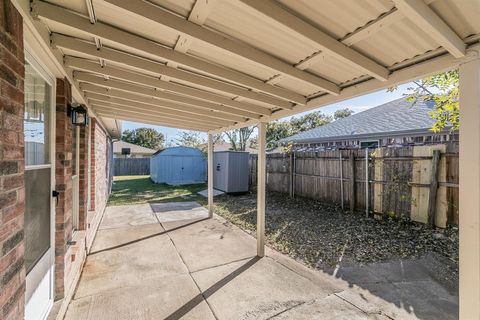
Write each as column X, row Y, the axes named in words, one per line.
column 167, row 261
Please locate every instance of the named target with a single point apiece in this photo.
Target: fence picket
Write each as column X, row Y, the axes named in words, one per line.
column 391, row 173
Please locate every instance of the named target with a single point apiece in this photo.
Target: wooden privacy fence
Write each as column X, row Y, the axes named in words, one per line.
column 131, row 166
column 418, row 182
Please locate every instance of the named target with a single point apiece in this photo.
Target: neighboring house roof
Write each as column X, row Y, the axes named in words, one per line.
column 394, row 117
column 134, row 149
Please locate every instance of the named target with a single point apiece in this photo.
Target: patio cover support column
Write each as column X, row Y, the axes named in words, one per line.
column 469, row 215
column 210, row 175
column 261, row 174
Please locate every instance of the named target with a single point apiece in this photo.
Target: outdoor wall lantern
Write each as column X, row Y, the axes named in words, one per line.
column 79, row 116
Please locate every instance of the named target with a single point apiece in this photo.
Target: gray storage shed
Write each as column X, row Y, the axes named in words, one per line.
column 230, row 171
column 178, row 165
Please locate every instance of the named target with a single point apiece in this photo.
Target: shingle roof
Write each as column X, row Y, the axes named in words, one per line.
column 394, row 116
column 134, row 149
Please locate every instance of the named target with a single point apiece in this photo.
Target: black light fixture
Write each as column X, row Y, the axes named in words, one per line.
column 79, row 116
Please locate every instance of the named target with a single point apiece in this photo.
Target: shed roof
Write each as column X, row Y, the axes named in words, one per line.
column 217, row 65
column 134, row 149
column 179, row 151
column 396, row 116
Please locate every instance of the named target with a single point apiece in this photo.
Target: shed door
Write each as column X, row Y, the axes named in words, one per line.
column 188, row 169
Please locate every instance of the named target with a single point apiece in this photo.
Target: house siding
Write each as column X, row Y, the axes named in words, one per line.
column 70, row 247
column 63, row 184
column 12, row 189
column 425, row 138
column 99, row 168
column 83, row 178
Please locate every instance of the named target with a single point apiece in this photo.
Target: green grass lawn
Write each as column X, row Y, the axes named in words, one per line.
column 140, row 189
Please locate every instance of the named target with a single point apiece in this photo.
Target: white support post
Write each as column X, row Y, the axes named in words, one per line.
column 261, row 174
column 210, row 175
column 469, row 213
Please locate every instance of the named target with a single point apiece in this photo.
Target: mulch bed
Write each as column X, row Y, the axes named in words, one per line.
column 322, row 236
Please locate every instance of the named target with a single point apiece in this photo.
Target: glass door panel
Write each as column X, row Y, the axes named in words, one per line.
column 37, row 215
column 38, row 198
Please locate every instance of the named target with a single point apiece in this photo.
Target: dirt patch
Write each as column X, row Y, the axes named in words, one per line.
column 322, row 236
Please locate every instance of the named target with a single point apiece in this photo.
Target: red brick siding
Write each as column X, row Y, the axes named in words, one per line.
column 12, row 191
column 63, row 184
column 93, row 126
column 83, row 178
column 101, row 179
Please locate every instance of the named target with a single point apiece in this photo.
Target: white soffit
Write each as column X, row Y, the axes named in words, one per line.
column 250, row 61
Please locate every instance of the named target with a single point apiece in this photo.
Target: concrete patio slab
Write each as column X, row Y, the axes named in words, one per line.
column 261, row 288
column 183, row 266
column 178, row 211
column 214, row 238
column 328, row 308
column 129, row 215
column 154, row 299
column 204, row 193
column 129, row 263
column 109, row 238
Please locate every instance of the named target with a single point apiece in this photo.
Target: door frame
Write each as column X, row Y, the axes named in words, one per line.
column 31, row 308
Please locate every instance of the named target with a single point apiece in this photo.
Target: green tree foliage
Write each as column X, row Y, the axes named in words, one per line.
column 278, row 130
column 443, row 90
column 239, row 139
column 309, row 121
column 343, row 113
column 145, row 137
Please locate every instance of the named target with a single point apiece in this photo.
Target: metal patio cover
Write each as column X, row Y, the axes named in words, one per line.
column 214, row 65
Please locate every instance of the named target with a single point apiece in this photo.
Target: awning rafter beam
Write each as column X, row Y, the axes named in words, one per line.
column 159, row 15
column 149, row 66
column 408, row 73
column 425, row 18
column 115, row 109
column 111, row 113
column 154, row 110
column 129, row 76
column 106, row 32
column 327, row 44
column 106, row 108
column 157, row 94
column 155, row 103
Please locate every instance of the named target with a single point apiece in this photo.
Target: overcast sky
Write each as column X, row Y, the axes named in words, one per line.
column 358, row 104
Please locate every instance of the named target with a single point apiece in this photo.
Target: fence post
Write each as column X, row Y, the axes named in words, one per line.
column 432, row 197
column 341, row 181
column 352, row 181
column 294, row 174
column 290, row 189
column 378, row 186
column 367, row 195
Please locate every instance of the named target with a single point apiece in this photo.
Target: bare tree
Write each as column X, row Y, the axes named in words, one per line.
column 239, row 138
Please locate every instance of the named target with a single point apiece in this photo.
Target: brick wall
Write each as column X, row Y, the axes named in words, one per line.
column 93, row 126
column 12, row 192
column 63, row 184
column 101, row 168
column 83, row 178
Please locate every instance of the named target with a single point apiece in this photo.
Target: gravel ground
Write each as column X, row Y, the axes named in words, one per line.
column 320, row 235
